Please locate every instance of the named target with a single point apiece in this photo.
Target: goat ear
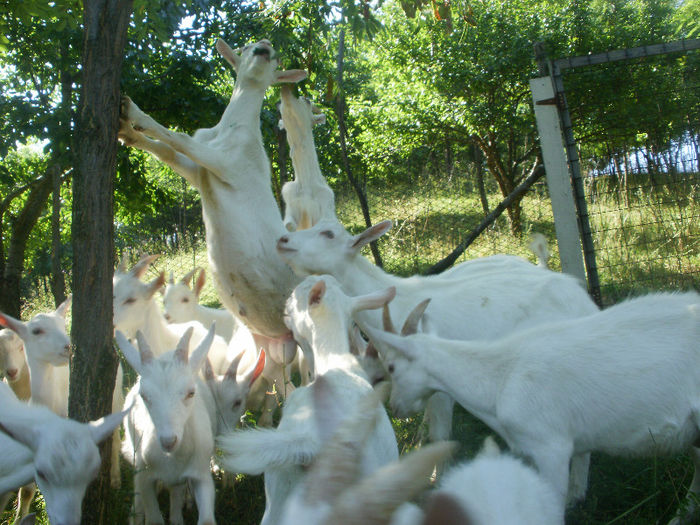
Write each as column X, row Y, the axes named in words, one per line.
column 290, row 75
column 259, row 367
column 131, row 354
column 370, row 234
column 102, row 428
column 63, row 308
column 444, row 509
column 156, row 284
column 123, row 262
column 374, row 300
column 23, row 430
column 317, row 292
column 15, row 325
column 140, row 267
column 410, row 326
column 199, row 284
column 376, row 498
column 229, row 54
column 187, row 278
column 198, row 355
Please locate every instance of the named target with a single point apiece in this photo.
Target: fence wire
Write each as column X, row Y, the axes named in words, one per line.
column 637, row 127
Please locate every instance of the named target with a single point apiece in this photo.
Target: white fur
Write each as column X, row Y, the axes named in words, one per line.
column 308, row 199
column 61, row 454
column 316, row 315
column 336, row 490
column 169, row 435
column 228, row 165
column 494, row 488
column 624, row 381
column 13, row 364
column 135, row 309
column 181, row 304
column 47, row 349
column 498, row 294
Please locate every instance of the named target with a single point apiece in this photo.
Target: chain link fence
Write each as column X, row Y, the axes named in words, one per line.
column 635, row 117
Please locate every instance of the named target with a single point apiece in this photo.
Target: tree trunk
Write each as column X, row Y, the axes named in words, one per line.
column 10, row 281
column 95, row 361
column 58, row 280
column 340, row 112
column 479, row 160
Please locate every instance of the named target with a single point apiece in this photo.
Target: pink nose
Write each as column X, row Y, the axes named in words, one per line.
column 168, row 443
column 12, row 373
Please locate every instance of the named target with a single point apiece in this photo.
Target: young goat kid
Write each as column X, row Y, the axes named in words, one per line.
column 624, row 381
column 181, row 305
column 59, row 453
column 169, row 435
column 308, row 199
column 13, row 364
column 318, row 315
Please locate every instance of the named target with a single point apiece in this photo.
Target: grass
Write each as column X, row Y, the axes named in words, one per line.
column 648, row 238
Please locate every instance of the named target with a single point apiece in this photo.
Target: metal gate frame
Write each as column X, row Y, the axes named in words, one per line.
column 560, row 155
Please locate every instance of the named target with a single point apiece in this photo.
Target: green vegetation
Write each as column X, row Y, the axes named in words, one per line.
column 437, row 114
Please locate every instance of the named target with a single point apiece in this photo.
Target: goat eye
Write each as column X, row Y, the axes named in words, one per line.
column 390, row 368
column 190, row 394
column 185, row 300
column 130, row 300
column 37, row 331
column 236, row 403
column 328, row 234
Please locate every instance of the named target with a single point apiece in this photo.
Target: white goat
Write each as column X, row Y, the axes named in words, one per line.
column 228, row 165
column 308, row 198
column 59, row 453
column 493, row 488
column 47, row 349
column 322, row 319
column 498, row 294
column 335, row 491
column 135, row 309
column 230, row 391
column 169, row 435
column 13, row 364
column 624, row 381
column 181, row 304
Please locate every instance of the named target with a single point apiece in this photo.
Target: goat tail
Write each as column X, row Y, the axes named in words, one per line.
column 256, row 450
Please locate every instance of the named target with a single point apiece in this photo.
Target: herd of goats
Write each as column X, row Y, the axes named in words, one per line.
column 519, row 346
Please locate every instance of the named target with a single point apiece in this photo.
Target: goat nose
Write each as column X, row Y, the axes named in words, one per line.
column 12, row 373
column 283, row 240
column 168, row 443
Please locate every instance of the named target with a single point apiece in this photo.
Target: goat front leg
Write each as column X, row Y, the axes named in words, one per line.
column 204, row 494
column 145, row 510
column 199, row 153
column 177, row 161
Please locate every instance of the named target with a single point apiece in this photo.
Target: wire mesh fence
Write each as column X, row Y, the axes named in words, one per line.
column 636, row 122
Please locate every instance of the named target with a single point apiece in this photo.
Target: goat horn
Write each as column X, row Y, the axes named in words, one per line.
column 411, row 324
